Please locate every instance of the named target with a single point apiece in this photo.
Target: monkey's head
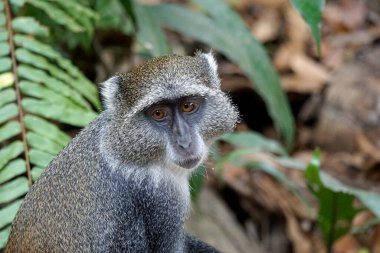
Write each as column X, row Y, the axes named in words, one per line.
column 166, row 111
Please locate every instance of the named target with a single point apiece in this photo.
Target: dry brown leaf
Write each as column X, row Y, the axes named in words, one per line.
column 334, row 57
column 309, row 76
column 303, row 242
column 236, row 177
column 242, row 126
column 361, row 218
column 348, row 15
column 365, row 146
column 235, row 83
column 262, row 188
column 297, row 31
column 292, row 83
column 242, row 4
column 346, row 244
column 282, row 57
column 306, row 68
column 297, row 34
column 267, row 26
column 150, row 2
column 277, row 197
column 375, row 240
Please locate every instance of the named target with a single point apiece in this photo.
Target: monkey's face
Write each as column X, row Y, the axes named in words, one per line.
column 166, row 112
column 178, row 121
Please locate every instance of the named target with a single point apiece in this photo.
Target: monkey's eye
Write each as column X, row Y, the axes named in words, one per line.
column 189, row 106
column 159, row 114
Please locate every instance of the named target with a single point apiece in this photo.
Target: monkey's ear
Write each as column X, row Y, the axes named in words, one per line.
column 212, row 65
column 211, row 61
column 109, row 91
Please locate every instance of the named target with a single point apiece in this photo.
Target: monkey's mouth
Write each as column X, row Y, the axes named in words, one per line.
column 190, row 162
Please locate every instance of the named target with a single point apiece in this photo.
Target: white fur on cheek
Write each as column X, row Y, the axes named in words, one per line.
column 108, row 90
column 172, row 157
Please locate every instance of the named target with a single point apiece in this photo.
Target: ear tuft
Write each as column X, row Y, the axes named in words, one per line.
column 211, row 61
column 109, row 89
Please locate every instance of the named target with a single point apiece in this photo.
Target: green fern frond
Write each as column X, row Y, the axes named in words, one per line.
column 65, row 19
column 38, row 89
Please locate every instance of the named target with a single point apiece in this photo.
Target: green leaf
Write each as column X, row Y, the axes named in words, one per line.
column 78, row 10
column 57, row 15
column 36, row 173
column 196, row 181
column 8, row 213
column 9, row 130
column 58, row 112
column 14, row 189
column 236, row 42
column 35, row 46
column 18, row 3
column 129, row 8
column 14, row 168
column 40, row 76
column 74, row 78
column 26, row 56
column 4, row 49
column 87, row 89
column 112, row 16
column 45, row 128
column 10, row 152
column 6, row 79
column 3, row 35
column 336, row 209
column 2, row 20
column 7, row 96
column 41, row 143
column 369, row 199
column 280, row 177
column 4, row 234
column 150, row 34
column 7, row 112
column 83, row 15
column 235, row 157
column 39, row 91
column 30, row 26
column 253, row 140
column 40, row 158
column 5, row 65
column 311, row 11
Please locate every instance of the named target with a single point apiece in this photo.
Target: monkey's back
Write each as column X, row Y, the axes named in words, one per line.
column 55, row 203
column 79, row 205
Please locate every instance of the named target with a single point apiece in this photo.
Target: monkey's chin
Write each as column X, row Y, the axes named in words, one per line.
column 189, row 163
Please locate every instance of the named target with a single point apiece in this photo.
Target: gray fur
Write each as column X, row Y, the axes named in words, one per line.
column 114, row 188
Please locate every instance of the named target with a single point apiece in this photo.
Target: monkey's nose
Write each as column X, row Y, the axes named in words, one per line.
column 184, row 142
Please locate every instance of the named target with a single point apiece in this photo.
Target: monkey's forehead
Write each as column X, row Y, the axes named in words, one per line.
column 166, row 78
column 170, row 65
column 173, row 93
column 166, row 85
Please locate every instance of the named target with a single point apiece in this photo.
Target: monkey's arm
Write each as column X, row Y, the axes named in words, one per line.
column 193, row 245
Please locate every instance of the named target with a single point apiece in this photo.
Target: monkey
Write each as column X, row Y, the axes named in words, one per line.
column 121, row 185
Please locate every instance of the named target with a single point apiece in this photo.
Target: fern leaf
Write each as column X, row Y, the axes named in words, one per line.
column 39, row 89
